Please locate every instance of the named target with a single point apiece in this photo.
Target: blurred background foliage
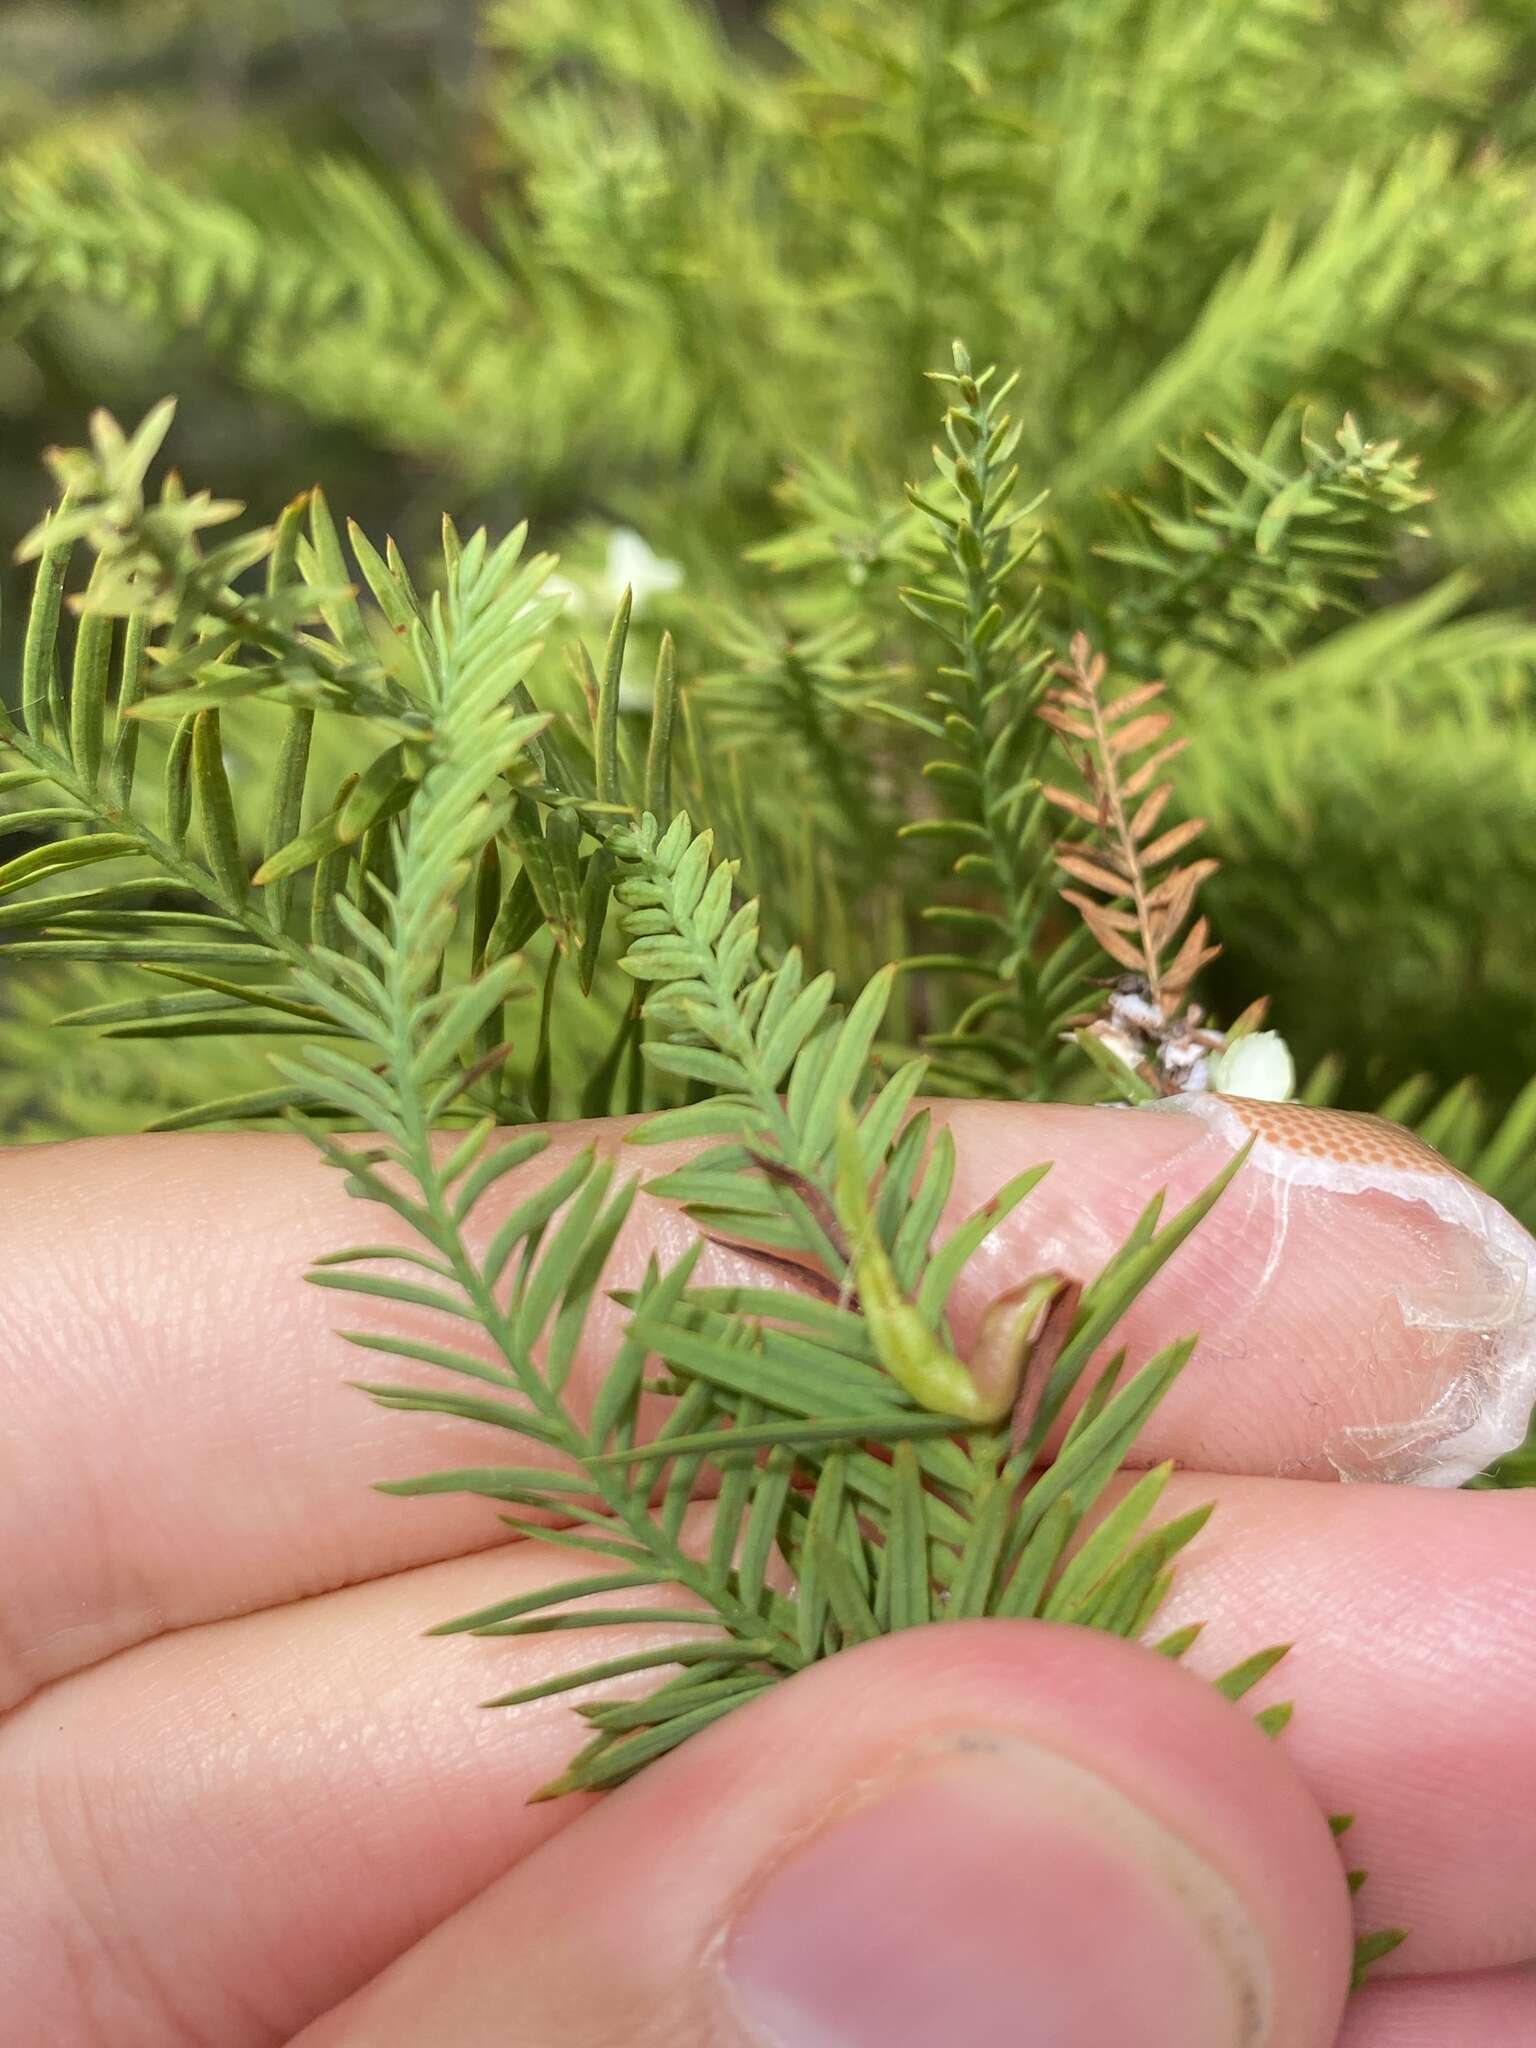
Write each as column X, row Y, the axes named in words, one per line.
column 656, row 268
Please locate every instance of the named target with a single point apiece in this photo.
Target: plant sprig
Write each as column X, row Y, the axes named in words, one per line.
column 1120, row 745
column 1258, row 548
column 987, row 749
column 847, row 1501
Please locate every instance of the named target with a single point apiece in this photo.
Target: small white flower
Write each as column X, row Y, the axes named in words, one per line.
column 631, row 561
column 1258, row 1066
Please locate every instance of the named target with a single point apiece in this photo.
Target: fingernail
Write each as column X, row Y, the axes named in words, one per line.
column 1341, row 1149
column 1005, row 1895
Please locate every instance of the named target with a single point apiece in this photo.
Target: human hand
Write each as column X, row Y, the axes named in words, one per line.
column 244, row 1800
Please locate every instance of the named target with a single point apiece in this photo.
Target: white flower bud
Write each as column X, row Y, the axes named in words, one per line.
column 1258, row 1066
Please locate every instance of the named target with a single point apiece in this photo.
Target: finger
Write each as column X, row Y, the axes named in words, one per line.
column 898, row 1849
column 1362, row 1308
column 178, row 1438
column 1494, row 2011
column 226, row 1849
column 183, row 1297
column 287, row 1801
column 1413, row 1624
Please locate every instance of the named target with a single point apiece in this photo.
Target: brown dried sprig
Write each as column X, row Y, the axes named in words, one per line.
column 1137, row 914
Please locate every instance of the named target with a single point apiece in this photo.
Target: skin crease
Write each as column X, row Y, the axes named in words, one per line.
column 245, row 1786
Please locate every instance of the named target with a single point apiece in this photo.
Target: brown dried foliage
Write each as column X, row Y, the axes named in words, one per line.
column 1136, row 914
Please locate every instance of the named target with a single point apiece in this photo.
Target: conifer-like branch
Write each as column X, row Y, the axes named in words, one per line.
column 988, row 747
column 1136, row 914
column 819, row 1418
column 847, row 1437
column 204, row 910
column 1259, row 548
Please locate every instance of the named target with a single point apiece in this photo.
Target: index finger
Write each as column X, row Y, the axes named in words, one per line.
column 1364, row 1310
column 177, row 1441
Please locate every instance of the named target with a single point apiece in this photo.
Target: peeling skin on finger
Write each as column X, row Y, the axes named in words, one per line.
column 1460, row 1333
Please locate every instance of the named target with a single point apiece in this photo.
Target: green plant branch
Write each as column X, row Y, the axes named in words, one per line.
column 993, row 746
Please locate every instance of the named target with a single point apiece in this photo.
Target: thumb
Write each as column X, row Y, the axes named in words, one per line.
column 985, row 1833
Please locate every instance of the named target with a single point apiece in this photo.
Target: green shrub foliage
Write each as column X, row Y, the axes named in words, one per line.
column 650, row 267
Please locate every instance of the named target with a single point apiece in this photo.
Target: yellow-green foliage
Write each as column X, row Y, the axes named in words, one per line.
column 635, row 263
